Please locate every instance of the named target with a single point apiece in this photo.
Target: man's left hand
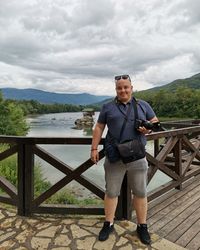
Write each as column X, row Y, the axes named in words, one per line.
column 143, row 130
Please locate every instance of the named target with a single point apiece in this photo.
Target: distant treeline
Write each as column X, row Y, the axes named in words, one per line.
column 181, row 103
column 35, row 107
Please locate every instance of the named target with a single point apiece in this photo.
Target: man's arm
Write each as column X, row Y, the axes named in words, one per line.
column 97, row 134
column 154, row 119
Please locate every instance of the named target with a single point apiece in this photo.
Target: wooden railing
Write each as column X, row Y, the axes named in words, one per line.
column 176, row 153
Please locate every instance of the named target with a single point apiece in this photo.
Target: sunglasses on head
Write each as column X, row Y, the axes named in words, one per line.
column 117, row 78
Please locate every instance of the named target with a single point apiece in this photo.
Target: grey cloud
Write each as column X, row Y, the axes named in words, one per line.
column 193, row 11
column 93, row 13
column 54, row 41
column 185, row 15
column 53, row 21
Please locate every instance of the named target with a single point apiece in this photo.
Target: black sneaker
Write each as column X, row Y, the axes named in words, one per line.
column 143, row 234
column 105, row 231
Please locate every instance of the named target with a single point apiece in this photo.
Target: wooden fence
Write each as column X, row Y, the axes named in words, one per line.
column 176, row 153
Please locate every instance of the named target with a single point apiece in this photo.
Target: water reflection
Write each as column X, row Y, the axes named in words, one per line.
column 87, row 129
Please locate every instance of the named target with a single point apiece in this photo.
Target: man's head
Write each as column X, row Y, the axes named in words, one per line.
column 123, row 87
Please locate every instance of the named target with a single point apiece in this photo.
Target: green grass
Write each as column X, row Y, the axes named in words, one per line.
column 66, row 197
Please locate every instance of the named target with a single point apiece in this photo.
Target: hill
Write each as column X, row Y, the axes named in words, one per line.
column 191, row 82
column 51, row 97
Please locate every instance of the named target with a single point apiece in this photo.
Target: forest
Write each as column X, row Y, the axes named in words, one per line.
column 183, row 102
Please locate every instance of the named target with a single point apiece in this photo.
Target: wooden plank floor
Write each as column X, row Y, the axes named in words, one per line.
column 176, row 215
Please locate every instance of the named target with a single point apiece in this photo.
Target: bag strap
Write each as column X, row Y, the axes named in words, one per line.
column 135, row 107
column 140, row 106
column 126, row 117
column 125, row 121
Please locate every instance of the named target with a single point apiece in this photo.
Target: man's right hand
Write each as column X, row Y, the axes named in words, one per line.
column 97, row 133
column 94, row 156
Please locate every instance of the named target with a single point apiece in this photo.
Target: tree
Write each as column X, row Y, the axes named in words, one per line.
column 12, row 119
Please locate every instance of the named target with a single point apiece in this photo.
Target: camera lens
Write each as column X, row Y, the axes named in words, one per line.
column 147, row 125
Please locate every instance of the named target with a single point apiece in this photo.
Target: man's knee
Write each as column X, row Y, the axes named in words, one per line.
column 140, row 193
column 112, row 193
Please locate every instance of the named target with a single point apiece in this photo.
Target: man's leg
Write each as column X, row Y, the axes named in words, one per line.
column 137, row 178
column 114, row 174
column 110, row 205
column 140, row 205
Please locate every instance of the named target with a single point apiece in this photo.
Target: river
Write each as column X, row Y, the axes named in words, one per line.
column 62, row 125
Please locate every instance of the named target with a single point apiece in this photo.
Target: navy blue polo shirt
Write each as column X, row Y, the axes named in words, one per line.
column 112, row 114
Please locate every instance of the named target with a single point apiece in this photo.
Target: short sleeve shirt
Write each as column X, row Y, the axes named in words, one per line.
column 113, row 113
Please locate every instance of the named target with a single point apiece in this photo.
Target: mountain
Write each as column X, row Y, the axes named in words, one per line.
column 51, row 97
column 86, row 99
column 191, row 82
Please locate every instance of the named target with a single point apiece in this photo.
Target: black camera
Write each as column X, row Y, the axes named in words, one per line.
column 154, row 126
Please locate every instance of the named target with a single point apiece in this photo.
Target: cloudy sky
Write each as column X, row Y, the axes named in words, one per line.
column 78, row 46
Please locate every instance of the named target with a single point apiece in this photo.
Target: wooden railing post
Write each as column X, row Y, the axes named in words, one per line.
column 156, row 147
column 20, row 178
column 25, row 180
column 178, row 161
column 124, row 207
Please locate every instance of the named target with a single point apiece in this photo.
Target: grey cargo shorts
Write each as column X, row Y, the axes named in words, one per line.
column 137, row 177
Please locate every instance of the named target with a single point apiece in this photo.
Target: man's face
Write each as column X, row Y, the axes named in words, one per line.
column 124, row 90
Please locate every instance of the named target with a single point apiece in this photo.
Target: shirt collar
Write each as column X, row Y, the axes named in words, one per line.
column 119, row 102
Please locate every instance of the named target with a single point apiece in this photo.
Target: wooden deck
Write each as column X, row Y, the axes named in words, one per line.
column 176, row 215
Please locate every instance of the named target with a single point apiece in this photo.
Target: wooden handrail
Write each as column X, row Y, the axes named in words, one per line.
column 87, row 140
column 179, row 158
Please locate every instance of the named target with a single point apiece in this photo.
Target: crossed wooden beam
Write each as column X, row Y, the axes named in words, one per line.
column 160, row 161
column 71, row 174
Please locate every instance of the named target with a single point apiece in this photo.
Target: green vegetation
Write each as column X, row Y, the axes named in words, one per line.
column 35, row 107
column 12, row 119
column 180, row 98
column 67, row 197
column 184, row 102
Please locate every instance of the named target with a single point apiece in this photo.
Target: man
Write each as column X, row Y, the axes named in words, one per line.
column 112, row 115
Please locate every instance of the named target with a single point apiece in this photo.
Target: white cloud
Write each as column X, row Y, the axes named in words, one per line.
column 78, row 46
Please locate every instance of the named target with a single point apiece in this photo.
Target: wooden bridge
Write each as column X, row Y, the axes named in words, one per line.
column 176, row 154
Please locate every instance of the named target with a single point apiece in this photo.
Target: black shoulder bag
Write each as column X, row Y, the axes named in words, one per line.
column 133, row 149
